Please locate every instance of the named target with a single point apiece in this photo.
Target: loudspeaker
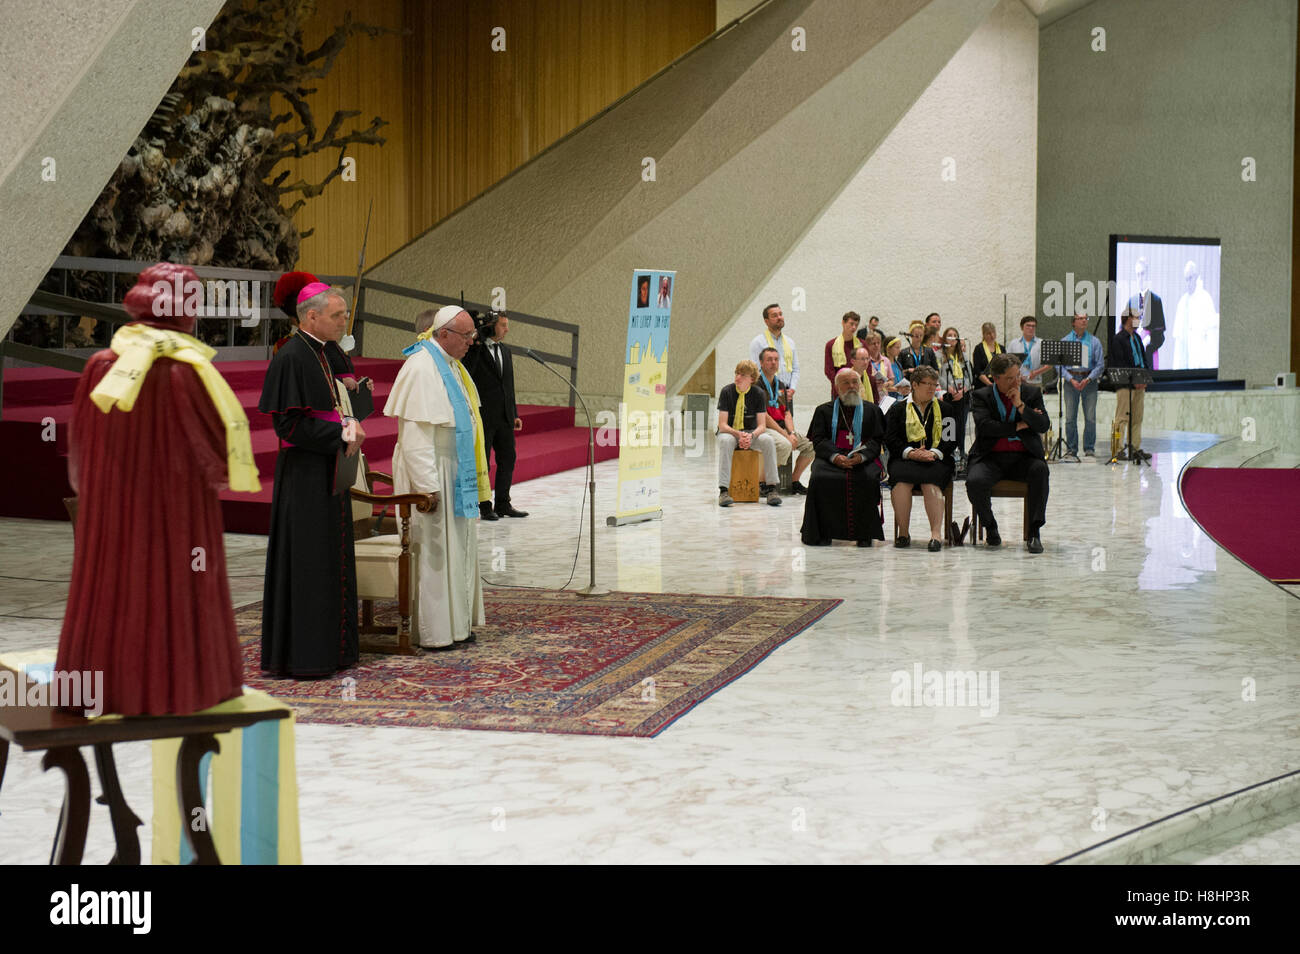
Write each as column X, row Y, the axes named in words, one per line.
column 1286, row 379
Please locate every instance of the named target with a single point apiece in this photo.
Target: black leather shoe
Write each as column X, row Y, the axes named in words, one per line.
column 798, row 489
column 1035, row 545
column 487, row 514
column 935, row 546
column 903, row 542
column 992, row 538
column 511, row 512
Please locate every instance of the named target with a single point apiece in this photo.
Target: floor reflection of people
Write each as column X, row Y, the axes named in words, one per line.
column 1196, row 324
column 1177, row 551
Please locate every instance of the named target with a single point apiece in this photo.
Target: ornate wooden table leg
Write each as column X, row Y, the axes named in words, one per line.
column 194, row 815
column 124, row 820
column 70, row 841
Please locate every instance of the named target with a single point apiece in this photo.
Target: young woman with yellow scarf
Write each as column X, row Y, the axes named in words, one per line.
column 919, row 454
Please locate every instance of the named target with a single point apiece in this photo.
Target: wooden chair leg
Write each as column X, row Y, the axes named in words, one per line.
column 947, row 514
column 367, row 615
column 404, row 632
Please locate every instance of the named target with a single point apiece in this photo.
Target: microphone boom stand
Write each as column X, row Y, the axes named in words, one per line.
column 590, row 589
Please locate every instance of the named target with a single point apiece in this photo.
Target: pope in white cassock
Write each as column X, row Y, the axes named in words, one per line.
column 440, row 451
column 1196, row 324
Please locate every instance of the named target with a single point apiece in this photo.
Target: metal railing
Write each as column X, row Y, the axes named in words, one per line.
column 258, row 340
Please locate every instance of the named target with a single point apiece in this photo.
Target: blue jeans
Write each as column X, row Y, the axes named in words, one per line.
column 1089, row 396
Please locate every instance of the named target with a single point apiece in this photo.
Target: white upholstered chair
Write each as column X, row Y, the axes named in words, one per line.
column 387, row 565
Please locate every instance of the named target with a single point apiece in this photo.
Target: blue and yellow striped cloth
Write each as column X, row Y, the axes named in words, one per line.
column 253, row 807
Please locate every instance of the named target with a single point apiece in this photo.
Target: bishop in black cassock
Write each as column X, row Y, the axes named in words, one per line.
column 844, row 490
column 309, row 604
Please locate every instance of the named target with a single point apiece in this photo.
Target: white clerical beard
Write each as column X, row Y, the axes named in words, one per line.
column 852, row 399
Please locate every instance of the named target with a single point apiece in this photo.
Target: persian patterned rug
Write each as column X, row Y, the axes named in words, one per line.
column 552, row 661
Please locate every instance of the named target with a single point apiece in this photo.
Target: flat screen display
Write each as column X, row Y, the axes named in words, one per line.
column 1173, row 284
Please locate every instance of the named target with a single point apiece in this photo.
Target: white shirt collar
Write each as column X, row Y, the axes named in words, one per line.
column 311, row 336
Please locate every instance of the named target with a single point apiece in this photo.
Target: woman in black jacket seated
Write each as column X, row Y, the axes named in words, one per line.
column 920, row 452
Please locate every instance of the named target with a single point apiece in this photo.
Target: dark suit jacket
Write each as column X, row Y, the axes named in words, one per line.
column 1121, row 352
column 873, row 431
column 989, row 426
column 907, row 360
column 1154, row 316
column 496, row 391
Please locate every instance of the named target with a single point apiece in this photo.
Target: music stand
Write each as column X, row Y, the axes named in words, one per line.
column 1068, row 354
column 1126, row 378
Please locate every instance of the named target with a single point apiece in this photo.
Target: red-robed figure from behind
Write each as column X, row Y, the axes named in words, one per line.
column 149, row 604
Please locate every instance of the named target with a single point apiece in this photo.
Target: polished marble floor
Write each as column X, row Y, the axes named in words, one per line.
column 1131, row 670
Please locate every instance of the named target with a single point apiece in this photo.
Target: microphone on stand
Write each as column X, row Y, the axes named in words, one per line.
column 590, row 589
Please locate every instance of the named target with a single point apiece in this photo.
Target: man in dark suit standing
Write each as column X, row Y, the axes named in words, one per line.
column 1127, row 351
column 1150, row 311
column 1009, row 423
column 490, row 366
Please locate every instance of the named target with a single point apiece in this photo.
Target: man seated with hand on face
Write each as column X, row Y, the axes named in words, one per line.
column 1010, row 422
column 780, row 422
column 742, row 403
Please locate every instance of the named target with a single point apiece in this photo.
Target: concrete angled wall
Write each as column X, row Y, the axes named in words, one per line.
column 1148, row 138
column 78, row 81
column 751, row 141
column 901, row 240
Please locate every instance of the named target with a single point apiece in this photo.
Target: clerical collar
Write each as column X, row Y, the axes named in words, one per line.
column 310, row 336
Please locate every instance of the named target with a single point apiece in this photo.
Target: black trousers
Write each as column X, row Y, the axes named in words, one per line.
column 499, row 438
column 991, row 468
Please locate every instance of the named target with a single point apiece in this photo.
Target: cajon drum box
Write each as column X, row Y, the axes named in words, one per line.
column 746, row 465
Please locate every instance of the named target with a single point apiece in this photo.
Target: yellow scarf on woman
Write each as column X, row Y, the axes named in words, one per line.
column 916, row 430
column 138, row 346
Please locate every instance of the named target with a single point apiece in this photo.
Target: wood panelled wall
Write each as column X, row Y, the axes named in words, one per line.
column 461, row 116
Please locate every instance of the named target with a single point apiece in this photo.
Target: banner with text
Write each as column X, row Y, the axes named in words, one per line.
column 645, row 391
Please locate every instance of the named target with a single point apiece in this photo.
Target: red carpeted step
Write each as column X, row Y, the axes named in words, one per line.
column 36, row 387
column 540, row 417
column 548, row 444
column 554, row 451
column 1251, row 513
